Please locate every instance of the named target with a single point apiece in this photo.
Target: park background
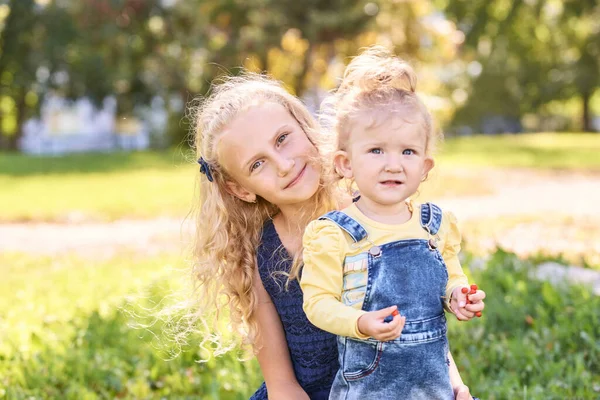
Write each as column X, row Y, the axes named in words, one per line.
column 92, row 242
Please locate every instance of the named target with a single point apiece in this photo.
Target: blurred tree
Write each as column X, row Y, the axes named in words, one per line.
column 522, row 55
column 15, row 75
column 32, row 43
column 282, row 37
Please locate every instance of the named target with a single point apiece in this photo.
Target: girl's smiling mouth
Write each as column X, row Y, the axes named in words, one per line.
column 297, row 178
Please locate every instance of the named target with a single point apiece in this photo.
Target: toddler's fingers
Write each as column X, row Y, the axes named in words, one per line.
column 461, row 314
column 384, row 312
column 475, row 307
column 477, row 296
column 392, row 335
column 460, row 296
column 397, row 321
column 401, row 326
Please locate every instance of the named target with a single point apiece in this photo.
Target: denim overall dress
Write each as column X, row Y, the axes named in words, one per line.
column 412, row 275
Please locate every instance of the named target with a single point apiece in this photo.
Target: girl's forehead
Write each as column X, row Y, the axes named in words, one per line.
column 250, row 131
column 255, row 119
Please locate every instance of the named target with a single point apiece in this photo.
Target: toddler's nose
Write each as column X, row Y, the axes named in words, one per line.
column 393, row 164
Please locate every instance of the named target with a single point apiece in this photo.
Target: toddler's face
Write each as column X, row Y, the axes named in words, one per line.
column 387, row 161
column 268, row 154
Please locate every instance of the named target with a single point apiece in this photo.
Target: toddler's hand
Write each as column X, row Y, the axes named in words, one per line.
column 374, row 324
column 467, row 302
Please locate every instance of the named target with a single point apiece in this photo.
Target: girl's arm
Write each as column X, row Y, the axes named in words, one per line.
column 273, row 354
column 461, row 391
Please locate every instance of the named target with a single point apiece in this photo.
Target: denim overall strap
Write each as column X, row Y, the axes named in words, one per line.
column 347, row 223
column 431, row 218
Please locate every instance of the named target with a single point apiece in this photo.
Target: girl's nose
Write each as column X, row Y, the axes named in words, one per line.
column 285, row 165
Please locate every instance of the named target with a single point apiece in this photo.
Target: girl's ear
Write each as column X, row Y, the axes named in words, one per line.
column 342, row 164
column 240, row 192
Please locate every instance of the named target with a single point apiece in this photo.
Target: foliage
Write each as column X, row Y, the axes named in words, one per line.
column 32, row 45
column 523, row 55
column 535, row 340
column 64, row 335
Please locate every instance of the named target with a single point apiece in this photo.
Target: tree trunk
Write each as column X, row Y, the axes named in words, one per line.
column 21, row 108
column 586, row 123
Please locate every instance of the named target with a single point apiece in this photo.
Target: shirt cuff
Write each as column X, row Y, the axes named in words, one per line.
column 358, row 334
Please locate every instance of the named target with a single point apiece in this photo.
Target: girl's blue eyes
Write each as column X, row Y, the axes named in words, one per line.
column 408, row 152
column 376, row 151
column 279, row 141
column 281, row 138
column 255, row 165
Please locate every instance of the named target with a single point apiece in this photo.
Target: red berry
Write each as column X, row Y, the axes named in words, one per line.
column 473, row 288
column 464, row 290
column 395, row 312
column 478, row 314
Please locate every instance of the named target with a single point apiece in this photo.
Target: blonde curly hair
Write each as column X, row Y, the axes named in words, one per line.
column 376, row 85
column 228, row 230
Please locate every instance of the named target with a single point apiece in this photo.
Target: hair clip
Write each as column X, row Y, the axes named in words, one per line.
column 205, row 169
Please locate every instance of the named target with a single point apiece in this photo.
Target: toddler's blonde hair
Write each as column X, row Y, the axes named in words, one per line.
column 376, row 85
column 228, row 229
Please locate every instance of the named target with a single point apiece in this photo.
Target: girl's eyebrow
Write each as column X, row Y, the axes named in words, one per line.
column 246, row 165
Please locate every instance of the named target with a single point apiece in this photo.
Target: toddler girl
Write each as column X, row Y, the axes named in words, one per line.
column 379, row 273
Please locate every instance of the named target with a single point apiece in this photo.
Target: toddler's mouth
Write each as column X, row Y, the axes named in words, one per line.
column 391, row 182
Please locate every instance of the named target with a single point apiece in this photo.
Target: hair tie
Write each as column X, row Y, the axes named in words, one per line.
column 205, row 169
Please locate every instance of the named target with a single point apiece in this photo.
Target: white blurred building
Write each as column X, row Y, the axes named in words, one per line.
column 78, row 126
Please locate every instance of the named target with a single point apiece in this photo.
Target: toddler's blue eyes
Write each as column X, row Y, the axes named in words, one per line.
column 408, row 152
column 375, row 151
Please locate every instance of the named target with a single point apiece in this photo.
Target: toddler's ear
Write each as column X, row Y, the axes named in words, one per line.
column 342, row 164
column 240, row 192
column 427, row 166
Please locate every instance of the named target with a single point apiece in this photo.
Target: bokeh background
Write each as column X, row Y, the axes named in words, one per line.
column 97, row 180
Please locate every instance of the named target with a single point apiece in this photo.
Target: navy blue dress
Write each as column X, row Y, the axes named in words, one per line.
column 313, row 351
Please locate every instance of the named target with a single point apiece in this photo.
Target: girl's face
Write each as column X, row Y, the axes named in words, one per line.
column 267, row 154
column 387, row 162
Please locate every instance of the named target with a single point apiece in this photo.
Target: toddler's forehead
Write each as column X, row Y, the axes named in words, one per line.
column 386, row 123
column 391, row 117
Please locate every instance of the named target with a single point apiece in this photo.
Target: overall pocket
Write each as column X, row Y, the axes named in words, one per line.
column 361, row 358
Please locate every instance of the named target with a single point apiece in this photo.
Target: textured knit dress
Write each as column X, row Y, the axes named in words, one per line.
column 313, row 351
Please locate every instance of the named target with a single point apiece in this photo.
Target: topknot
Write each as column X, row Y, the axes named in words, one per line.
column 376, row 69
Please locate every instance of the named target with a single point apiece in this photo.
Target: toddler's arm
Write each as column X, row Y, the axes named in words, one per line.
column 273, row 353
column 322, row 282
column 461, row 391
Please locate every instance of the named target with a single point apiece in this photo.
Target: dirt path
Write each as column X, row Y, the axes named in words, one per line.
column 550, row 211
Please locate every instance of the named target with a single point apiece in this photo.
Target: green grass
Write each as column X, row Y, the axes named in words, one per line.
column 535, row 340
column 148, row 184
column 565, row 151
column 62, row 335
column 95, row 186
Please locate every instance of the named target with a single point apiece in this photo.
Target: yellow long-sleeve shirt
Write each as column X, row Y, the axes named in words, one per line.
column 332, row 302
